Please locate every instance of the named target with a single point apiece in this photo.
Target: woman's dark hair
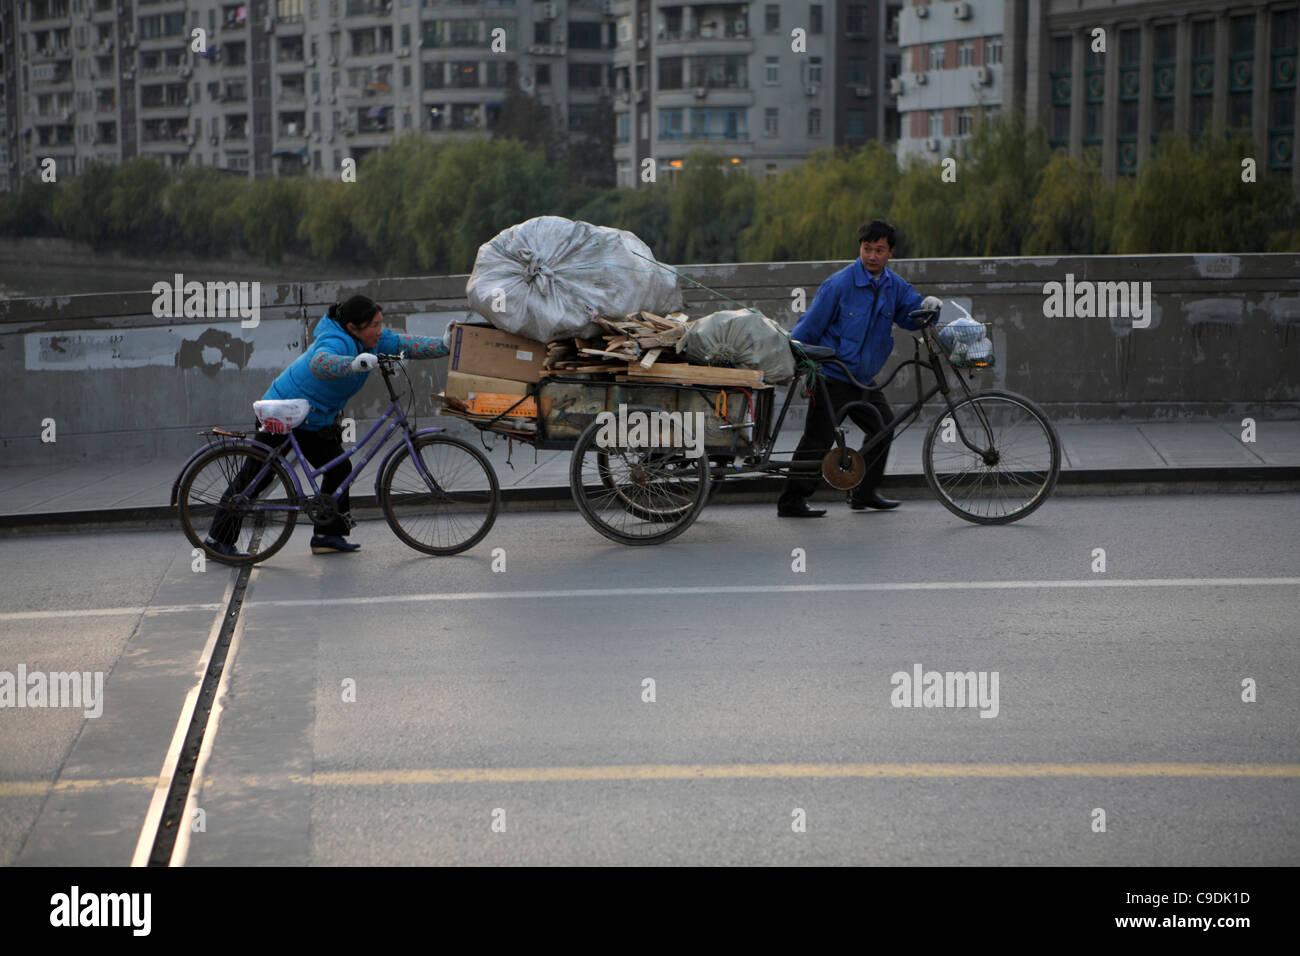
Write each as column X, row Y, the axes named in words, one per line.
column 357, row 310
column 876, row 229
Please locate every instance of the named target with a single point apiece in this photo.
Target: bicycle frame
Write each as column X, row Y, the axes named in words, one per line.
column 393, row 416
column 809, row 469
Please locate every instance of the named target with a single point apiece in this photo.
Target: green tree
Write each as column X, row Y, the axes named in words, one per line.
column 80, row 207
column 270, row 212
column 813, row 212
column 509, row 184
column 29, row 209
column 135, row 211
column 1190, row 197
column 996, row 184
column 205, row 204
column 390, row 184
column 1066, row 216
column 326, row 227
column 709, row 206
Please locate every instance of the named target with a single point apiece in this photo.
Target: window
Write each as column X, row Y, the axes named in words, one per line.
column 584, row 35
column 464, row 75
column 814, row 122
column 772, row 18
column 856, row 21
column 814, row 69
column 624, row 128
column 855, row 123
column 815, row 18
column 714, row 72
column 772, row 71
column 966, row 53
column 719, row 124
column 670, row 73
column 992, row 50
column 857, row 72
column 543, row 74
column 671, row 124
column 936, row 56
column 965, row 121
column 771, row 119
column 934, row 121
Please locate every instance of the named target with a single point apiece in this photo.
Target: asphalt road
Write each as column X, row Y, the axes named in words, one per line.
column 391, row 708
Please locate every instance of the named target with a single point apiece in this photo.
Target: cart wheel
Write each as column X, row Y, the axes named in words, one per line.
column 637, row 495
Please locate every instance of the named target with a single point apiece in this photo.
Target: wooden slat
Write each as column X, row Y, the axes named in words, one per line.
column 699, row 373
column 650, row 358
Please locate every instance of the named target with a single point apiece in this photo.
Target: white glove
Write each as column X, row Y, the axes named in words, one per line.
column 931, row 303
column 365, row 362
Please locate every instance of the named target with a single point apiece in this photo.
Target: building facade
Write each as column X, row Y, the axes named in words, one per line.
column 1101, row 75
column 280, row 87
column 764, row 84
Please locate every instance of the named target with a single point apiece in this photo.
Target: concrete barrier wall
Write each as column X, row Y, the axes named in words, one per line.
column 1223, row 342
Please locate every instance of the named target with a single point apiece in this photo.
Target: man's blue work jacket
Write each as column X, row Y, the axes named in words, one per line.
column 854, row 313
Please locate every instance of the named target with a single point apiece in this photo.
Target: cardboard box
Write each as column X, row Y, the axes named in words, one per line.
column 491, row 396
column 484, row 350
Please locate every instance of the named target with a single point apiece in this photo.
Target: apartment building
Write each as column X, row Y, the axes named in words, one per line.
column 1101, row 75
column 764, row 84
column 951, row 73
column 280, row 87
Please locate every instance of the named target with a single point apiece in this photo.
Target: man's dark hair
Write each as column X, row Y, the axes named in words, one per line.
column 877, row 229
column 357, row 310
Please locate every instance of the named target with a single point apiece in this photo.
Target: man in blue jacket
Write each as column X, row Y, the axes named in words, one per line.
column 341, row 356
column 854, row 313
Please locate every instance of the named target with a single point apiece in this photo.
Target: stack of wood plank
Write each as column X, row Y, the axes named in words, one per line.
column 632, row 348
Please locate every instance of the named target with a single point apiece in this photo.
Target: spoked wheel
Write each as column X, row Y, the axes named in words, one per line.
column 637, row 495
column 443, row 503
column 216, row 502
column 993, row 459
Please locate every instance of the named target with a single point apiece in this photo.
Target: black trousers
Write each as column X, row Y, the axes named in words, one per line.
column 318, row 447
column 819, row 438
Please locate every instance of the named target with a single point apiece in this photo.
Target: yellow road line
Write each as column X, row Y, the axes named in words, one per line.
column 773, row 771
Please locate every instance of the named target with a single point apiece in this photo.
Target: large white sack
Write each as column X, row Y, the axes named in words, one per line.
column 548, row 276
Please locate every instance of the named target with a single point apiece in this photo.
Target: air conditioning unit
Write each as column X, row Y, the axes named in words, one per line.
column 922, row 12
column 404, row 51
column 701, row 92
column 895, row 85
column 961, row 11
column 812, row 89
column 920, row 79
column 627, row 96
column 607, row 7
column 311, row 61
column 129, row 75
column 213, row 139
column 640, row 96
column 932, row 145
column 334, row 97
column 270, row 24
column 316, row 136
column 983, row 75
column 862, row 92
column 189, row 140
column 315, row 97
column 642, row 43
column 186, row 71
column 550, row 11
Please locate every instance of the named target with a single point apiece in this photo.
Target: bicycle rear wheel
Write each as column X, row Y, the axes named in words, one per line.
column 444, row 503
column 217, row 501
column 637, row 495
column 1011, row 468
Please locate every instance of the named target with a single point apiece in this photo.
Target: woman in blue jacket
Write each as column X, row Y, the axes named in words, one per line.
column 342, row 354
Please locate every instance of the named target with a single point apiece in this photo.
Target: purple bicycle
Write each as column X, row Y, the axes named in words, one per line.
column 439, row 494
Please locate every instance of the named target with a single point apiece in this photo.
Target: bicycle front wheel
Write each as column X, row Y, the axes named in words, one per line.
column 444, row 499
column 230, row 495
column 992, row 459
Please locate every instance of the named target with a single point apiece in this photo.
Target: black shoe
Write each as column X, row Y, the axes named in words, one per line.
column 332, row 543
column 223, row 549
column 801, row 510
column 875, row 501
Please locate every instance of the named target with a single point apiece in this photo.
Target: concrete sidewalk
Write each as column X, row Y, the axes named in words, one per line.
column 1102, row 456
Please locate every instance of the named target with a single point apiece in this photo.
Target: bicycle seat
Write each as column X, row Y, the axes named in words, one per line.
column 279, row 416
column 818, row 353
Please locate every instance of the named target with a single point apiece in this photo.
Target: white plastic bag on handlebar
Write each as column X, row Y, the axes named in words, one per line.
column 545, row 278
column 966, row 340
column 279, row 416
